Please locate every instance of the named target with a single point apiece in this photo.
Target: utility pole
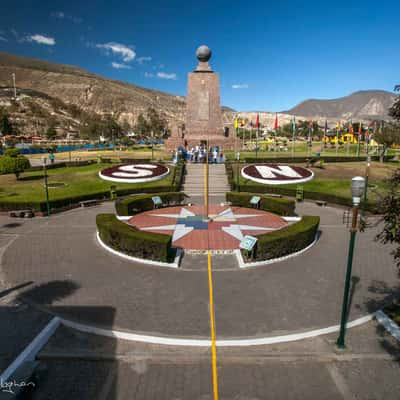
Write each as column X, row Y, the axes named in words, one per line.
column 15, row 88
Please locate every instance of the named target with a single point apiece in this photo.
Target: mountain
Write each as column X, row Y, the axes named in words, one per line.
column 365, row 104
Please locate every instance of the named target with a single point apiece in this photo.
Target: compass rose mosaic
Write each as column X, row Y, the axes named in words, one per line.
column 224, row 231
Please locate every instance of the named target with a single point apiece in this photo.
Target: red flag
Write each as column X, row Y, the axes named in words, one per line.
column 256, row 125
column 276, row 124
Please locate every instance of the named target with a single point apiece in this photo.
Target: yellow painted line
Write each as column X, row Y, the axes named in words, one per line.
column 212, row 326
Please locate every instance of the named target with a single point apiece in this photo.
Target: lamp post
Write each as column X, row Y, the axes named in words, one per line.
column 237, row 171
column 357, row 189
column 152, row 145
column 46, row 186
column 366, row 181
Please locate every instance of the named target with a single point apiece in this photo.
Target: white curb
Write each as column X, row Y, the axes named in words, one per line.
column 388, row 324
column 174, row 264
column 243, row 264
column 29, row 353
column 172, row 341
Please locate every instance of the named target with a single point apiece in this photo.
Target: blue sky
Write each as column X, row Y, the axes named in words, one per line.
column 270, row 55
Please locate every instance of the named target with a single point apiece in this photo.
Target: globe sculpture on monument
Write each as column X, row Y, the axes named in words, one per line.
column 203, row 120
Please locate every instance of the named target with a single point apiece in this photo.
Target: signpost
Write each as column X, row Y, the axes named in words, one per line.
column 248, row 243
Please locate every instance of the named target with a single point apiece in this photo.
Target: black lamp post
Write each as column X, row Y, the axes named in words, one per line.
column 357, row 189
column 46, row 186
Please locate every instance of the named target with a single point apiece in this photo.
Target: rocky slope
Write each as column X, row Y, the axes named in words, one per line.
column 366, row 104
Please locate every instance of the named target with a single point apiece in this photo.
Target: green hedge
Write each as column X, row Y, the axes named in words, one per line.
column 272, row 204
column 9, row 205
column 135, row 204
column 308, row 195
column 305, row 159
column 133, row 242
column 288, row 240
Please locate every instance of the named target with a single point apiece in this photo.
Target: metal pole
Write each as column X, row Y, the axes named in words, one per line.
column 366, row 181
column 46, row 188
column 206, row 178
column 258, row 129
column 15, row 89
column 345, row 307
column 152, row 145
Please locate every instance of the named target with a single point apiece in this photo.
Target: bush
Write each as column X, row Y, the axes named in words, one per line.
column 287, row 240
column 271, row 204
column 133, row 205
column 13, row 165
column 11, row 153
column 133, row 242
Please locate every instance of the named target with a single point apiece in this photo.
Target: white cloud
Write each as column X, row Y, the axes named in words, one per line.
column 120, row 66
column 62, row 15
column 125, row 52
column 41, row 39
column 148, row 75
column 3, row 39
column 142, row 60
column 240, row 86
column 163, row 75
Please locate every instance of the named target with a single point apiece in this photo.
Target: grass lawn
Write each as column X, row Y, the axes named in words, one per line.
column 301, row 151
column 159, row 153
column 77, row 181
column 335, row 178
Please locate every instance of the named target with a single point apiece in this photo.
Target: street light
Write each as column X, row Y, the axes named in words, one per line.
column 366, row 181
column 44, row 162
column 237, row 171
column 357, row 190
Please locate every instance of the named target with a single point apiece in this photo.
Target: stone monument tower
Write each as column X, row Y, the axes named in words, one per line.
column 203, row 120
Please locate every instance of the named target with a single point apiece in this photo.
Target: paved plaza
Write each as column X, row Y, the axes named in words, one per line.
column 70, row 275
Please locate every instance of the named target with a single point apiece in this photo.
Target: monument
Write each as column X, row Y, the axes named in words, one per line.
column 203, row 119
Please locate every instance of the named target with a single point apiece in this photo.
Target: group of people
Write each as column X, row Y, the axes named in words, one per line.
column 199, row 154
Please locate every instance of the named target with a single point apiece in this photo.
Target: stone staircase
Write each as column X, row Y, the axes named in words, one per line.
column 194, row 180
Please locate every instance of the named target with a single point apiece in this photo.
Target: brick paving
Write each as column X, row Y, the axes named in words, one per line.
column 72, row 276
column 208, row 235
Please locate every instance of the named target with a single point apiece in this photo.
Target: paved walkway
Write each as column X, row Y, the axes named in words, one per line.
column 75, row 278
column 93, row 367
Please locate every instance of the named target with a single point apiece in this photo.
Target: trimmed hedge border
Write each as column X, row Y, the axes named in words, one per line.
column 136, row 204
column 371, row 206
column 287, row 240
column 271, row 204
column 103, row 195
column 133, row 242
column 313, row 158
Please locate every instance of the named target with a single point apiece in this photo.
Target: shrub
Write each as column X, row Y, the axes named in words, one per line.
column 135, row 204
column 272, row 204
column 287, row 240
column 11, row 153
column 13, row 165
column 133, row 242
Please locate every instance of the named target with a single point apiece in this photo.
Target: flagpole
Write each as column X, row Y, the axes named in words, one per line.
column 294, row 135
column 337, row 138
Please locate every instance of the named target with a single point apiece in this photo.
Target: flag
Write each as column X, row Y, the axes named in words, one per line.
column 360, row 129
column 294, row 124
column 257, row 121
column 235, row 123
column 351, row 130
column 337, row 125
column 276, row 124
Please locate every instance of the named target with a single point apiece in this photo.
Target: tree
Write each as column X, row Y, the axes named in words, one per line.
column 110, row 128
column 389, row 208
column 394, row 111
column 6, row 127
column 12, row 163
column 156, row 123
column 141, row 127
column 51, row 133
column 387, row 136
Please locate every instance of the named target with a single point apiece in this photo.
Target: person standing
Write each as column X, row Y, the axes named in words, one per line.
column 51, row 157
